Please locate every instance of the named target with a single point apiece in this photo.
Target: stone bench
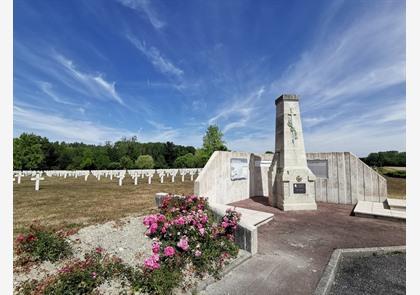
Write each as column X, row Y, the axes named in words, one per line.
column 377, row 209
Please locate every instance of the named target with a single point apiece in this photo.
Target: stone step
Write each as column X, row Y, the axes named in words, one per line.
column 396, row 204
column 377, row 209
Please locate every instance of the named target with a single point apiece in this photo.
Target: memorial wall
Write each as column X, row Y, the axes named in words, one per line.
column 341, row 178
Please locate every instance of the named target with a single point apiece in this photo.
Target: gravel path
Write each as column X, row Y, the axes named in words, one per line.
column 124, row 238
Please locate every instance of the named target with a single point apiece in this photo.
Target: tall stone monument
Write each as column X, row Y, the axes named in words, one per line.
column 294, row 183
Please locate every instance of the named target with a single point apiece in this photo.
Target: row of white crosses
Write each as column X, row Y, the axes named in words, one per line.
column 67, row 173
column 120, row 174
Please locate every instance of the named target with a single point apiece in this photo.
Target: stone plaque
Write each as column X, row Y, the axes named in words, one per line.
column 319, row 168
column 299, row 188
column 238, row 168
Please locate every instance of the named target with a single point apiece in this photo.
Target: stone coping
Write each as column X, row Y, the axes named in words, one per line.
column 327, row 279
column 248, row 216
column 376, row 209
column 287, row 97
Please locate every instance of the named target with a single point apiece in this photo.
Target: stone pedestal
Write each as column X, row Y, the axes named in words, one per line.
column 294, row 184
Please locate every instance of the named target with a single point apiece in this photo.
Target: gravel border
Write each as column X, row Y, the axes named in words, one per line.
column 327, row 279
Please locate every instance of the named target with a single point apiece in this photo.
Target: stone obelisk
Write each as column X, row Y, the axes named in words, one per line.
column 294, row 183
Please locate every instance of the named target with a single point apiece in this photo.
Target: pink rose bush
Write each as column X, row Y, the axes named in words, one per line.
column 152, row 262
column 186, row 231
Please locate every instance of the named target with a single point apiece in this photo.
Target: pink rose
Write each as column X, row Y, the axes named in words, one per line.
column 201, row 230
column 155, row 257
column 180, row 220
column 204, row 219
column 183, row 243
column 197, row 253
column 169, row 251
column 153, row 228
column 148, row 220
column 161, row 218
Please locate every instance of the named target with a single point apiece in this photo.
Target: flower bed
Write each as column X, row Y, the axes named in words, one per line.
column 187, row 241
column 185, row 232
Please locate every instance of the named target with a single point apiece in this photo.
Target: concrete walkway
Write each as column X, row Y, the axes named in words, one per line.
column 294, row 247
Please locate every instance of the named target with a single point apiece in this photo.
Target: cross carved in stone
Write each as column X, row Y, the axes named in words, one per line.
column 293, row 131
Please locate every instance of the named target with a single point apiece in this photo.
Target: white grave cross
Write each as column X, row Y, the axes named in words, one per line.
column 37, row 178
column 120, row 179
column 19, row 176
column 161, row 175
column 135, row 177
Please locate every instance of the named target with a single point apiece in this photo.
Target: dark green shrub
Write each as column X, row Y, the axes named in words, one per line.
column 396, row 173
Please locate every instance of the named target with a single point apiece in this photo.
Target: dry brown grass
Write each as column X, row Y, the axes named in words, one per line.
column 65, row 203
column 396, row 187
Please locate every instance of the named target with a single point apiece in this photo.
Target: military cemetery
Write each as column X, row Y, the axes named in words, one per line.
column 245, row 165
column 259, row 187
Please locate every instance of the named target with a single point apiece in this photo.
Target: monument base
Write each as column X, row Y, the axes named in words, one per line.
column 297, row 206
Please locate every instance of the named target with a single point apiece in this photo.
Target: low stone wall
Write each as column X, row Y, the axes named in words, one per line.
column 346, row 178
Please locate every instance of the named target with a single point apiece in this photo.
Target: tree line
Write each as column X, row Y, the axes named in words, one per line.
column 388, row 158
column 33, row 152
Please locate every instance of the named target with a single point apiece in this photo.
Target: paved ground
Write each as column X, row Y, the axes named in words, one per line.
column 382, row 274
column 294, row 247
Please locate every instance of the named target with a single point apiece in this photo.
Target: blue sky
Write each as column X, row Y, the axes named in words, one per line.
column 94, row 71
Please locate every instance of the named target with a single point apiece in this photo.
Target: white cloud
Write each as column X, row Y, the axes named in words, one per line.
column 145, row 7
column 94, row 83
column 256, row 144
column 237, row 114
column 372, row 130
column 161, row 63
column 47, row 88
column 158, row 126
column 366, row 56
column 57, row 127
